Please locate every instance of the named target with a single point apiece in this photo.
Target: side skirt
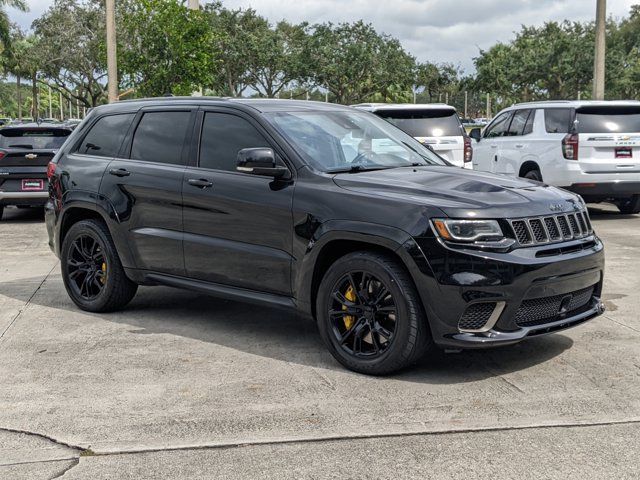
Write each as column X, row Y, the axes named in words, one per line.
column 216, row 290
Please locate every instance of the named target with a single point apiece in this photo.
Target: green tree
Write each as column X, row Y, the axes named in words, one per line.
column 5, row 23
column 353, row 62
column 72, row 49
column 165, row 48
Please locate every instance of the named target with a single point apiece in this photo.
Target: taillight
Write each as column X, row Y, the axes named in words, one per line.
column 570, row 146
column 51, row 170
column 2, row 154
column 468, row 150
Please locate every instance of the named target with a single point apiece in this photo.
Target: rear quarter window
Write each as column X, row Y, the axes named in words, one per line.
column 557, row 120
column 106, row 136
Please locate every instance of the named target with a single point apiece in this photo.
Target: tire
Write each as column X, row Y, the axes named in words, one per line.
column 1, row 211
column 533, row 175
column 410, row 338
column 629, row 206
column 103, row 292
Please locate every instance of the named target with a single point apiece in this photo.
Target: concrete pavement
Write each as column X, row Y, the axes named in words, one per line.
column 180, row 379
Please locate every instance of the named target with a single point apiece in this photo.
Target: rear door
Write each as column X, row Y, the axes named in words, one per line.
column 238, row 227
column 144, row 185
column 440, row 128
column 486, row 152
column 609, row 139
column 515, row 144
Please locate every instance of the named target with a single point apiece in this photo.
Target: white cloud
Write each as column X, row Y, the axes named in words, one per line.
column 435, row 30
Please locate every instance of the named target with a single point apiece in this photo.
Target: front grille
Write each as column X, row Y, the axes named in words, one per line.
column 538, row 311
column 551, row 229
column 476, row 316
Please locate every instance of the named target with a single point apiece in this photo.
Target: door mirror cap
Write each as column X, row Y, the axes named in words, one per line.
column 476, row 134
column 260, row 161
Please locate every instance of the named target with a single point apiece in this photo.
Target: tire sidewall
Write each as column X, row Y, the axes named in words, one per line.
column 88, row 227
column 405, row 317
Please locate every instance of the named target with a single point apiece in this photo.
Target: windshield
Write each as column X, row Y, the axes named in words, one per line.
column 608, row 120
column 33, row 139
column 350, row 141
column 424, row 123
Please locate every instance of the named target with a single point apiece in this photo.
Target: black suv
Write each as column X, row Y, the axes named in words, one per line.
column 321, row 208
column 25, row 152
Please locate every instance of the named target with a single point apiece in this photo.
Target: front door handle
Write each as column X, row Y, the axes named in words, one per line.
column 119, row 172
column 493, row 145
column 519, row 145
column 200, row 182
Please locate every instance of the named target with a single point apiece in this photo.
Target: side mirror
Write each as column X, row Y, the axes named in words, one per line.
column 260, row 161
column 476, row 134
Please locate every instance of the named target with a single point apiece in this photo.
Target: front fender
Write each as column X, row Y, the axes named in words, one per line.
column 305, row 279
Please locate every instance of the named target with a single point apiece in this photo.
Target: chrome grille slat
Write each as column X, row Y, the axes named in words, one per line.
column 551, row 228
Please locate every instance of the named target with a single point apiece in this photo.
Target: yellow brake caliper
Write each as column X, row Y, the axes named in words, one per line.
column 350, row 295
column 103, row 279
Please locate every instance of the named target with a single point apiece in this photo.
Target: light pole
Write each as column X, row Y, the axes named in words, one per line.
column 598, row 66
column 112, row 61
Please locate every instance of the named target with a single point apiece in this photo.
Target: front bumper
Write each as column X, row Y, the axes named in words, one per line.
column 451, row 280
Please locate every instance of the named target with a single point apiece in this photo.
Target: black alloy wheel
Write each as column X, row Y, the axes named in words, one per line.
column 91, row 269
column 87, row 267
column 370, row 315
column 363, row 314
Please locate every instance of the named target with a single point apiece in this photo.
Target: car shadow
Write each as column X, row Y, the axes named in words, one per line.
column 608, row 212
column 282, row 335
column 22, row 215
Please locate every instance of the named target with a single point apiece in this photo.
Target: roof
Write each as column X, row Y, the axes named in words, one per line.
column 259, row 104
column 374, row 107
column 576, row 103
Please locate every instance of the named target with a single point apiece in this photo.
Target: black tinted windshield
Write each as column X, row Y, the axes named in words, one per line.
column 608, row 120
column 349, row 140
column 33, row 138
column 424, row 123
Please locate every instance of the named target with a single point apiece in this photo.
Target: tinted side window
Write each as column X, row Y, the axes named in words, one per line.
column 556, row 120
column 160, row 137
column 517, row 123
column 499, row 126
column 106, row 136
column 223, row 136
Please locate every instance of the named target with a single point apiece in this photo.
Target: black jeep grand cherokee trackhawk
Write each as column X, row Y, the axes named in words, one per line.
column 321, row 208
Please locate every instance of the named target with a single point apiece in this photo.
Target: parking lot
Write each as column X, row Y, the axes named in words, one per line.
column 207, row 388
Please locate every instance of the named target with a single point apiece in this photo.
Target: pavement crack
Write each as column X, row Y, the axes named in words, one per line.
column 335, row 438
column 64, row 471
column 621, row 324
column 27, row 303
column 77, row 448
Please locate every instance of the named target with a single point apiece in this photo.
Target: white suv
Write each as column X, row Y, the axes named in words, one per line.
column 436, row 125
column 591, row 148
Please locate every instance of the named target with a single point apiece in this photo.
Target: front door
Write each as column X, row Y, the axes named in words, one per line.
column 238, row 227
column 486, row 153
column 145, row 189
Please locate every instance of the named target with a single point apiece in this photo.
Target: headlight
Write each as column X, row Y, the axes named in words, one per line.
column 468, row 230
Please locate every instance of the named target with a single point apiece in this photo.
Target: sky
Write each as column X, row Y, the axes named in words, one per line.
column 451, row 31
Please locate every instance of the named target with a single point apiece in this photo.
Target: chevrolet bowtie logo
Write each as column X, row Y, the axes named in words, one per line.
column 31, row 156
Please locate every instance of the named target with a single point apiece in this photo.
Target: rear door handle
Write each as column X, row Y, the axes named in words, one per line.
column 119, row 172
column 519, row 146
column 200, row 182
column 493, row 145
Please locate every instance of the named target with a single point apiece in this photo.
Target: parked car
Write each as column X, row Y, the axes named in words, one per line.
column 25, row 152
column 323, row 209
column 5, row 120
column 434, row 124
column 72, row 122
column 591, row 148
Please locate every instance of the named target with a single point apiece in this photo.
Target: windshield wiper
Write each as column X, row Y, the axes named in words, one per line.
column 356, row 169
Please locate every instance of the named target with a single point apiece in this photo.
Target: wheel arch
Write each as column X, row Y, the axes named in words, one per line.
column 332, row 244
column 528, row 166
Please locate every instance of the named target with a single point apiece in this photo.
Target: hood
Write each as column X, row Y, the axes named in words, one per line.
column 462, row 193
